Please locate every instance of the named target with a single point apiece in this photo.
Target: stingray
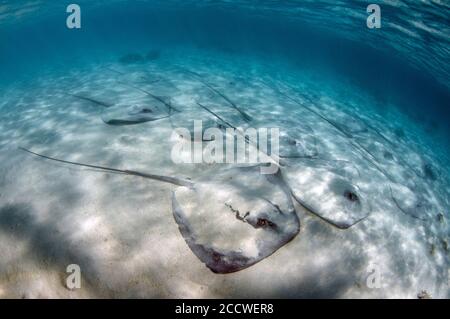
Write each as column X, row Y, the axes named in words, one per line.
column 323, row 187
column 326, row 190
column 363, row 151
column 296, row 140
column 162, row 99
column 387, row 155
column 412, row 204
column 231, row 220
column 221, row 119
column 404, row 193
column 264, row 218
column 180, row 119
column 118, row 115
column 272, row 159
column 135, row 114
column 244, row 115
column 294, row 145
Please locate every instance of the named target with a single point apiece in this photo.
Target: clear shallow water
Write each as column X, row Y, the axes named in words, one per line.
column 406, row 60
column 392, row 81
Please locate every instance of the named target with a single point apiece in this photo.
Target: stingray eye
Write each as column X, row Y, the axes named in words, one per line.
column 262, row 222
column 351, row 196
column 291, row 141
column 216, row 257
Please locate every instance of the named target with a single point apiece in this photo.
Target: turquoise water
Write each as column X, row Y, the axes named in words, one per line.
column 370, row 106
column 407, row 57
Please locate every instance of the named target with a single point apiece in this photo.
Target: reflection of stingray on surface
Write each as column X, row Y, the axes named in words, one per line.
column 230, row 221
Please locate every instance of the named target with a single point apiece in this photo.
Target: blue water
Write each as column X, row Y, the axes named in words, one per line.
column 408, row 66
column 396, row 78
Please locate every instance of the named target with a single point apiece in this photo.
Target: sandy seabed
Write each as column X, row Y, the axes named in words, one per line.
column 121, row 231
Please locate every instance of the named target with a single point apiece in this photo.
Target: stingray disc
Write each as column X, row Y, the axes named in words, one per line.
column 235, row 219
column 327, row 195
column 136, row 114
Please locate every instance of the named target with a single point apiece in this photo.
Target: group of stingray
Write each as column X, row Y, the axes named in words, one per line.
column 238, row 216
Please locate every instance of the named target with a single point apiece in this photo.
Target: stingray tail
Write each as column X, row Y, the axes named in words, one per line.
column 167, row 179
column 244, row 115
column 275, row 159
column 167, row 104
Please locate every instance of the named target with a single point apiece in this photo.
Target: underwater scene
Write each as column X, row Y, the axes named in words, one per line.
column 224, row 149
